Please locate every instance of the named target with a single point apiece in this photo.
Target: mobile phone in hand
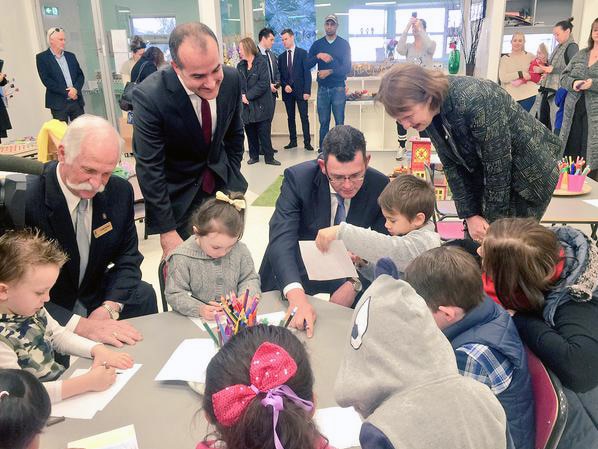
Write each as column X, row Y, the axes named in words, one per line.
column 414, row 14
column 579, row 84
column 1, row 64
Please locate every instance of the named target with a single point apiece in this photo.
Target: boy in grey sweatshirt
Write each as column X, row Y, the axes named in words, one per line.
column 407, row 203
column 399, row 373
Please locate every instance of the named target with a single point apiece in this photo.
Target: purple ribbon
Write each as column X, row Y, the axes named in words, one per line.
column 274, row 398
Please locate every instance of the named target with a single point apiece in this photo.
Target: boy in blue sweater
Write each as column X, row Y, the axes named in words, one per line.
column 482, row 334
column 333, row 56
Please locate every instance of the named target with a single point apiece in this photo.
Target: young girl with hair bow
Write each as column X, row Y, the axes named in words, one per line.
column 267, row 402
column 212, row 262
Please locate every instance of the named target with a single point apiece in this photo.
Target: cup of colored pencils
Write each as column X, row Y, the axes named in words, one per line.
column 237, row 313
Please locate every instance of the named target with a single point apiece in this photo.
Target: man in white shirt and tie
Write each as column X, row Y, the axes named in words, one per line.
column 90, row 214
column 188, row 139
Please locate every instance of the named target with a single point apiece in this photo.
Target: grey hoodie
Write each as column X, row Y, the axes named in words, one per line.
column 400, row 374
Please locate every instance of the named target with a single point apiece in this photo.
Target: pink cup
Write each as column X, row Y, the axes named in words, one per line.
column 576, row 183
column 558, row 184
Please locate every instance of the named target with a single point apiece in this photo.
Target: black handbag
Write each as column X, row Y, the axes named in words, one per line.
column 126, row 99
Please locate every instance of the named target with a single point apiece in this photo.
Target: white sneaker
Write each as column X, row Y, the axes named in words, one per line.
column 400, row 154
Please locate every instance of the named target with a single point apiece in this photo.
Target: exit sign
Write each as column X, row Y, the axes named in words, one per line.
column 50, row 10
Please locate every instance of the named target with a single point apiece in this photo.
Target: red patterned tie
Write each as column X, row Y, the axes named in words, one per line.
column 208, row 183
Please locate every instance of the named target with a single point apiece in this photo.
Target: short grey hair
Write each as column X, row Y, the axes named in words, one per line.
column 51, row 31
column 80, row 128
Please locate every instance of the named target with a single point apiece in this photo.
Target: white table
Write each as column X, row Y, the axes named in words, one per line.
column 165, row 414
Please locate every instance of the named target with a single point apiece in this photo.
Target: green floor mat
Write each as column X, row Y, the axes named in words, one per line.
column 270, row 195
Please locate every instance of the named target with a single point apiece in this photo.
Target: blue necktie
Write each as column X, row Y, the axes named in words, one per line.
column 341, row 213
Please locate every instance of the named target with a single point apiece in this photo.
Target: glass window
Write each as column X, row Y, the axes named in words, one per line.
column 435, row 18
column 532, row 41
column 363, row 49
column 154, row 31
column 367, row 21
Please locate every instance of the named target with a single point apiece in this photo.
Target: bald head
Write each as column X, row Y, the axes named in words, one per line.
column 196, row 33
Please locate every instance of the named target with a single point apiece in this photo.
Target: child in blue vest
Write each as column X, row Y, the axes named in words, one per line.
column 482, row 334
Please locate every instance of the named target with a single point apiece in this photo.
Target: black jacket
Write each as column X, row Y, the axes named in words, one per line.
column 255, row 84
column 52, row 77
column 170, row 150
column 142, row 69
column 47, row 210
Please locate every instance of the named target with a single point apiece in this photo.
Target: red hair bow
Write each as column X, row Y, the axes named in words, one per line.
column 271, row 367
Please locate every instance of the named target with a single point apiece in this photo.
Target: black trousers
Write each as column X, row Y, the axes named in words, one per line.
column 402, row 133
column 258, row 136
column 70, row 112
column 289, row 103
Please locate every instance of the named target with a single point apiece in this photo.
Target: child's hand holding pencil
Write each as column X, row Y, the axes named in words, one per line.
column 208, row 309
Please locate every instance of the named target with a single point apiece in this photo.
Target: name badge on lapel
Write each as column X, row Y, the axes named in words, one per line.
column 104, row 229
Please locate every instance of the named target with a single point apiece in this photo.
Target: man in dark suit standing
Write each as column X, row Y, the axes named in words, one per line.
column 90, row 213
column 188, row 138
column 60, row 72
column 265, row 42
column 295, row 81
column 316, row 194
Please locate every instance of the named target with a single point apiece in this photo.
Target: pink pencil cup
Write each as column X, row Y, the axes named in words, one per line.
column 558, row 184
column 576, row 182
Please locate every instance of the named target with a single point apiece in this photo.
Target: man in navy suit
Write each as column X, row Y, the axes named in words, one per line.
column 339, row 186
column 188, row 138
column 90, row 213
column 295, row 79
column 60, row 73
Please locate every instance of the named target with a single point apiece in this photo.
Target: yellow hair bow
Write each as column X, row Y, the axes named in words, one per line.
column 238, row 204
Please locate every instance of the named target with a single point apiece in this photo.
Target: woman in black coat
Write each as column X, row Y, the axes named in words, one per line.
column 4, row 120
column 150, row 62
column 258, row 104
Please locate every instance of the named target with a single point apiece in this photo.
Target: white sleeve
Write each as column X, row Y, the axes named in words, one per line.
column 9, row 360
column 72, row 323
column 65, row 341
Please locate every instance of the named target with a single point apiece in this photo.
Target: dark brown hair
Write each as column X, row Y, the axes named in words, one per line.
column 590, row 40
column 446, row 276
column 22, row 249
column 406, row 85
column 565, row 24
column 408, row 195
column 520, row 255
column 215, row 215
column 197, row 31
column 137, row 43
column 230, row 366
column 287, row 31
column 249, row 46
column 155, row 55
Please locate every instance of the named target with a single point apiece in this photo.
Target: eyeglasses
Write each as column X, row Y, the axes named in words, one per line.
column 355, row 178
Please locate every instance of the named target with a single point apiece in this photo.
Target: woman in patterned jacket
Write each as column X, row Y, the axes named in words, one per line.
column 498, row 159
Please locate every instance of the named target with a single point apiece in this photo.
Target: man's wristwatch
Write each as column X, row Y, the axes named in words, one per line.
column 356, row 282
column 114, row 313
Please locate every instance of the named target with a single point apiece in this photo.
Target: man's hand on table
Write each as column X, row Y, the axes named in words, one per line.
column 115, row 333
column 305, row 317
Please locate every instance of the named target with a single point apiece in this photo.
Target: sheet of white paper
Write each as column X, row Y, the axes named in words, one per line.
column 333, row 264
column 122, row 438
column 86, row 405
column 189, row 361
column 340, row 425
column 591, row 202
column 273, row 318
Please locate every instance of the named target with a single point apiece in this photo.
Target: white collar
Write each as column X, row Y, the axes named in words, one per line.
column 72, row 200
column 189, row 92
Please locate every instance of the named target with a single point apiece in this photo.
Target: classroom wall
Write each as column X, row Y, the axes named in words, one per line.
column 18, row 46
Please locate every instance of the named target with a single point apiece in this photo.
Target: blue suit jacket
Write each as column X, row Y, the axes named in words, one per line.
column 46, row 210
column 52, row 77
column 302, row 209
column 301, row 76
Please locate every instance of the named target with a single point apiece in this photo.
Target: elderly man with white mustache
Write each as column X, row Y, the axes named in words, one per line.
column 78, row 202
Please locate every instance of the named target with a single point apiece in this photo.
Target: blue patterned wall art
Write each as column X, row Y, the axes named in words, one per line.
column 298, row 15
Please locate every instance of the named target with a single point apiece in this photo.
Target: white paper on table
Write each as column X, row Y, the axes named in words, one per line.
column 333, row 264
column 340, row 425
column 591, row 202
column 189, row 361
column 86, row 405
column 122, row 438
column 273, row 318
